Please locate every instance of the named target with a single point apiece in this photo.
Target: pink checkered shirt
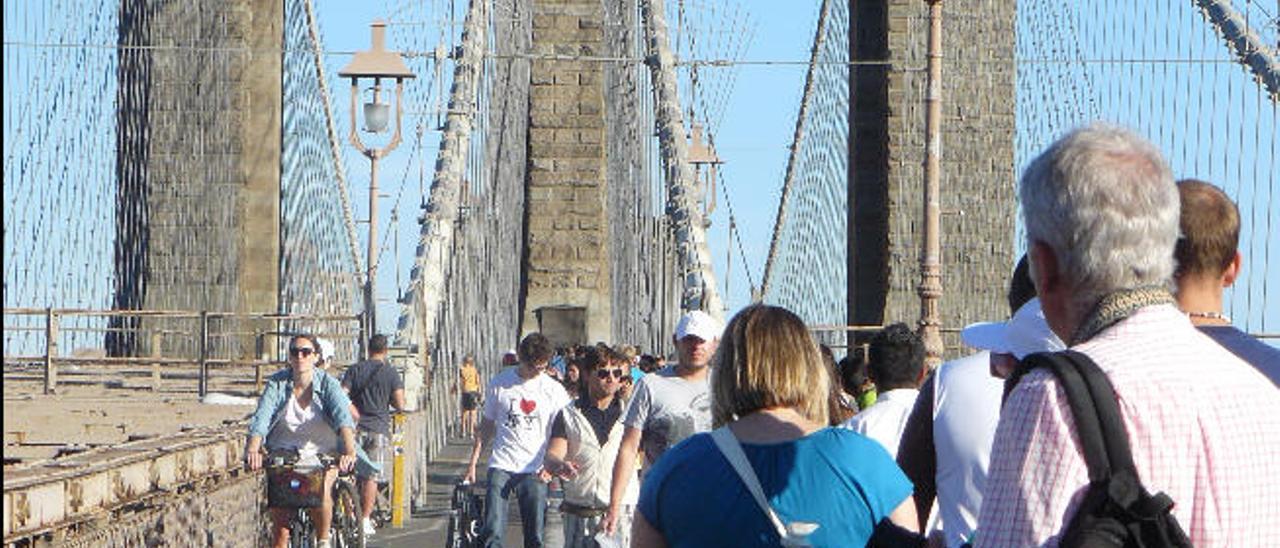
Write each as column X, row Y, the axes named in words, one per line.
column 1204, row 428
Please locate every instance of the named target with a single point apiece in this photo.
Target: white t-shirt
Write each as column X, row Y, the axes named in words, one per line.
column 885, row 420
column 304, row 430
column 521, row 410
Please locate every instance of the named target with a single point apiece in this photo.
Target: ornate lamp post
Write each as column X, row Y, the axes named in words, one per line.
column 377, row 63
column 930, row 288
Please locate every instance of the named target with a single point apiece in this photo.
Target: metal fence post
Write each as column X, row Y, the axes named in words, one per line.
column 260, row 349
column 204, row 353
column 156, row 377
column 50, row 350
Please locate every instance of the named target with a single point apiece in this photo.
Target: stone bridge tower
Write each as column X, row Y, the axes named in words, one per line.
column 886, row 154
column 198, row 169
column 567, row 267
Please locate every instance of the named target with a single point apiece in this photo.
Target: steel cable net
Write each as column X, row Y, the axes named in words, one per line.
column 1166, row 70
column 646, row 282
column 708, row 38
column 319, row 274
column 59, row 163
column 479, row 311
column 810, row 270
column 126, row 186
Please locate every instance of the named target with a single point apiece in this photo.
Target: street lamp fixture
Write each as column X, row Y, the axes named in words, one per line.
column 376, row 115
column 375, row 64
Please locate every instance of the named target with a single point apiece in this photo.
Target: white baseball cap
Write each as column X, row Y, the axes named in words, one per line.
column 699, row 324
column 1025, row 333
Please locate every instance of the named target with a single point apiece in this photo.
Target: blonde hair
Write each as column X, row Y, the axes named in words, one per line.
column 767, row 358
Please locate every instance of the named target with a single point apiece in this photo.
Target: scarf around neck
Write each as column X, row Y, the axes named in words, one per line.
column 1116, row 306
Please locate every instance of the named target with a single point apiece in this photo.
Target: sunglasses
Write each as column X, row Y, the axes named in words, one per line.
column 301, row 351
column 604, row 373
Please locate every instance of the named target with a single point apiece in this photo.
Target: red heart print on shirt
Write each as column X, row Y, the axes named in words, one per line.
column 528, row 405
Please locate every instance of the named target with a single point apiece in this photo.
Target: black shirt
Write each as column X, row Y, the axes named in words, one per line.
column 602, row 420
column 371, row 383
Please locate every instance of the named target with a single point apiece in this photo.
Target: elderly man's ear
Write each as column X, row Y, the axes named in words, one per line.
column 1052, row 288
column 1045, row 271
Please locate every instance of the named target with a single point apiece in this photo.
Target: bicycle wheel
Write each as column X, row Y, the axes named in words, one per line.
column 301, row 533
column 348, row 532
column 453, row 537
column 382, row 506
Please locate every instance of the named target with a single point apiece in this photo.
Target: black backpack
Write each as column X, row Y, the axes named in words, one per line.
column 1116, row 511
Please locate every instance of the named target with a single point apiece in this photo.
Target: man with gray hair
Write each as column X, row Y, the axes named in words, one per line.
column 1101, row 215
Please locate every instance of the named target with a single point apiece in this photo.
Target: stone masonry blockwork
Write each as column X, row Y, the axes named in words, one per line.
column 567, row 230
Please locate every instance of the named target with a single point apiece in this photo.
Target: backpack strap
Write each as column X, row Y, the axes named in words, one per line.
column 1091, row 418
column 1125, row 488
column 1103, row 438
column 1114, row 488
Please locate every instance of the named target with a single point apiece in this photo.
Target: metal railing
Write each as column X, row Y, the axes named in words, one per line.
column 160, row 342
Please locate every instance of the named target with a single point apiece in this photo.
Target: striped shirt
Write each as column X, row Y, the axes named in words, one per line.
column 1204, row 428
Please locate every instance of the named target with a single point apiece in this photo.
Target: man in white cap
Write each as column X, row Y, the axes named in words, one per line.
column 667, row 406
column 946, row 445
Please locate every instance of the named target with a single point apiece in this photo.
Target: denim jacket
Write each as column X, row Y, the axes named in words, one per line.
column 327, row 395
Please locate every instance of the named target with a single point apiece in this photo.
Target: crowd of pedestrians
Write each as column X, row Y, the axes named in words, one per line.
column 755, row 435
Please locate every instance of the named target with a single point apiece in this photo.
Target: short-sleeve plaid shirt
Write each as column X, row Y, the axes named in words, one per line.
column 1204, row 428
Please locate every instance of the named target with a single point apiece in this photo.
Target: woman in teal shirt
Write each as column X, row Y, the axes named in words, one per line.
column 770, row 389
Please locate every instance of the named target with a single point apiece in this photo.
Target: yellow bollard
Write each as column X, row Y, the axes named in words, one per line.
column 397, row 470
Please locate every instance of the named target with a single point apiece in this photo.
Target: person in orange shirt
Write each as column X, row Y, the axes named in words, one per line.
column 469, row 382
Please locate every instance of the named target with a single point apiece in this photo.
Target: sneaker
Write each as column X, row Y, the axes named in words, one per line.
column 323, row 543
column 369, row 529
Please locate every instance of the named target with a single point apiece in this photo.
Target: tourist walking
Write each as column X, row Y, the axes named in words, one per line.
column 519, row 403
column 1101, row 214
column 896, row 364
column 772, row 473
column 667, row 406
column 375, row 388
column 584, row 444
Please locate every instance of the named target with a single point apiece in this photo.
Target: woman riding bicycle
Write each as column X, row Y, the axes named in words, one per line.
column 304, row 410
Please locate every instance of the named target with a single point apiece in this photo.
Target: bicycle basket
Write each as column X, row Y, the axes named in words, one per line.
column 295, row 488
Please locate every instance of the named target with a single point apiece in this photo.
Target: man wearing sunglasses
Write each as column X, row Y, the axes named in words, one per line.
column 584, row 443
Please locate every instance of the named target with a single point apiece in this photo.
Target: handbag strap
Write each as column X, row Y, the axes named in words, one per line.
column 732, row 450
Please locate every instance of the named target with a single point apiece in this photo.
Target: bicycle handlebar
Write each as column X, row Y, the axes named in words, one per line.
column 290, row 459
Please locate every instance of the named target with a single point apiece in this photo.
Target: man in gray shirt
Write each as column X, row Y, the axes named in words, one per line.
column 669, row 405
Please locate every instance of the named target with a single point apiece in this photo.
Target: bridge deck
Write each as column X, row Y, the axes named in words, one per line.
column 428, row 526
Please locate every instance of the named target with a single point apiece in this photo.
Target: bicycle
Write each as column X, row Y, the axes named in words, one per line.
column 297, row 487
column 466, row 517
column 381, row 515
